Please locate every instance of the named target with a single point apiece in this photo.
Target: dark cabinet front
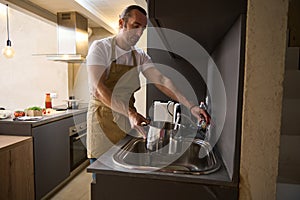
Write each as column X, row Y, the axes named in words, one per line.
column 51, row 154
column 136, row 188
column 54, row 154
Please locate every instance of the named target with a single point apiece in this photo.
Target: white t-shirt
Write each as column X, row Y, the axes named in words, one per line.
column 100, row 54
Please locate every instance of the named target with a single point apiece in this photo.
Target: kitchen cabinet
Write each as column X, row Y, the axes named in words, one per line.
column 52, row 153
column 16, row 168
column 51, row 146
column 205, row 22
column 136, row 188
column 52, row 157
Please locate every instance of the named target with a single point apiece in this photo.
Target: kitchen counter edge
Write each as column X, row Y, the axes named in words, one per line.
column 46, row 119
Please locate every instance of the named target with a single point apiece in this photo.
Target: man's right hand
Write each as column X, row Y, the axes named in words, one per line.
column 136, row 120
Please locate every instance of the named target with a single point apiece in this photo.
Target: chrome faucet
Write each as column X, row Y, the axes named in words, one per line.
column 177, row 122
column 175, row 138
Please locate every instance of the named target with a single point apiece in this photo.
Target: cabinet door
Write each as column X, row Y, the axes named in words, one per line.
column 16, row 171
column 136, row 188
column 51, row 154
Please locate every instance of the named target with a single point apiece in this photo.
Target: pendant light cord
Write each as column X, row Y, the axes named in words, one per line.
column 7, row 22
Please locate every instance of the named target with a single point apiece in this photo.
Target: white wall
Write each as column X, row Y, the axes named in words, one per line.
column 24, row 79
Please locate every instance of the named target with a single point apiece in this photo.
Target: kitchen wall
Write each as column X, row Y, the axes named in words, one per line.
column 26, row 78
column 228, row 58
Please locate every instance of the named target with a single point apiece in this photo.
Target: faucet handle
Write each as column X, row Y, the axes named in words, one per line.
column 203, row 124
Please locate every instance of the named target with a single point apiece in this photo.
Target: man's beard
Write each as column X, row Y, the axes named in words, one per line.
column 132, row 40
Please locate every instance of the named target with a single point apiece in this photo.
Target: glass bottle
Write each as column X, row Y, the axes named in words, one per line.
column 48, row 103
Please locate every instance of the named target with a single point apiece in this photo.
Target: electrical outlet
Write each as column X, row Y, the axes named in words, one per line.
column 53, row 95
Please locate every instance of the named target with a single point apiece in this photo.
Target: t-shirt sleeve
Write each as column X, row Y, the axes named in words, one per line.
column 146, row 62
column 97, row 54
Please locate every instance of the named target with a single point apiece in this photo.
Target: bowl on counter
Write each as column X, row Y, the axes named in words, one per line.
column 4, row 114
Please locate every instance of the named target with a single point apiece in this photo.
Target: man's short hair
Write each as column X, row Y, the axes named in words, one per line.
column 126, row 12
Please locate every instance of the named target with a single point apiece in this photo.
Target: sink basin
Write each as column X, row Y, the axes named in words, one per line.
column 192, row 156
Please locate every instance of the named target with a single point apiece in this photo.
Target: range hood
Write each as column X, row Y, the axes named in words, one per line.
column 72, row 38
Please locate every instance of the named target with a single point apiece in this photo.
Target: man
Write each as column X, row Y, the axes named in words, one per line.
column 113, row 66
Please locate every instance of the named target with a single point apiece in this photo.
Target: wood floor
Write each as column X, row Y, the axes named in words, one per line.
column 77, row 189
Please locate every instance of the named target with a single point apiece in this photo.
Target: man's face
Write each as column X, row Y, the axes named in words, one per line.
column 134, row 27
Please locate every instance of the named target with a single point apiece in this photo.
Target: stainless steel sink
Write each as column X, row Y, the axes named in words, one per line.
column 192, row 156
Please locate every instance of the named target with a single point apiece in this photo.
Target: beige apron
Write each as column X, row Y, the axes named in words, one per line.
column 104, row 126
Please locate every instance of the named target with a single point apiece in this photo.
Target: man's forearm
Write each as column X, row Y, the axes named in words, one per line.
column 168, row 88
column 104, row 94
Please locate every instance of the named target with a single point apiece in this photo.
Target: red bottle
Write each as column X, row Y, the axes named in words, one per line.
column 48, row 103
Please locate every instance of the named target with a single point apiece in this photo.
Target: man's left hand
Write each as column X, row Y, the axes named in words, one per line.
column 200, row 113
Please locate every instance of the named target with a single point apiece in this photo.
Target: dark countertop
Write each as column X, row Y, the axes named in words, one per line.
column 105, row 165
column 10, row 126
column 48, row 118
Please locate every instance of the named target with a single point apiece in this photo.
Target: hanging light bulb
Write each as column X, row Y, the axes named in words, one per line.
column 8, row 51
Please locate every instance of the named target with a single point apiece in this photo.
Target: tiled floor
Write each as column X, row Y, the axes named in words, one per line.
column 77, row 189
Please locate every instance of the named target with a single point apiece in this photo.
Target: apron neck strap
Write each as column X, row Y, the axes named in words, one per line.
column 113, row 50
column 133, row 57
